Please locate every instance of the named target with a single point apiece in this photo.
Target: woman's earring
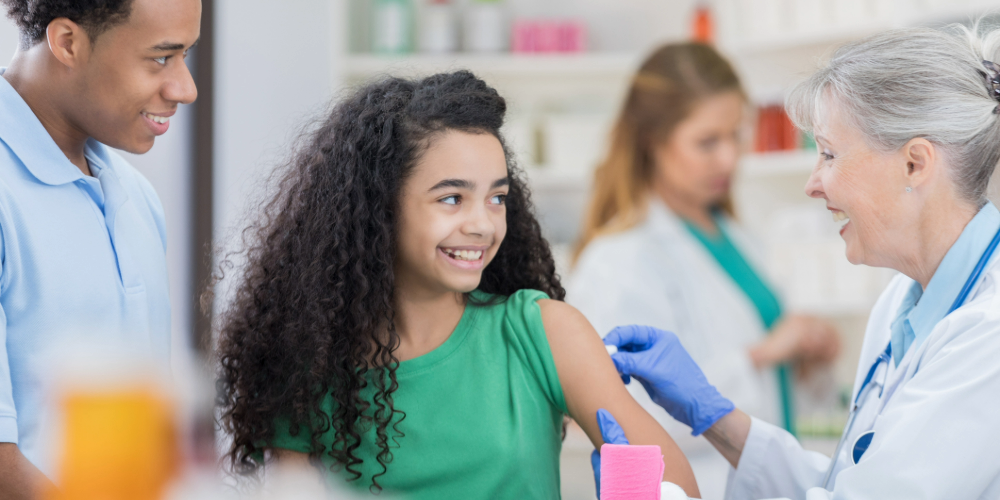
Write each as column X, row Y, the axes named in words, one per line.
column 908, row 189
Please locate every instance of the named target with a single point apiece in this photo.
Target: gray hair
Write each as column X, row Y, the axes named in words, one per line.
column 916, row 82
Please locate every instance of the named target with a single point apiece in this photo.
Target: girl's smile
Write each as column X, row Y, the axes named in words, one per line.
column 470, row 258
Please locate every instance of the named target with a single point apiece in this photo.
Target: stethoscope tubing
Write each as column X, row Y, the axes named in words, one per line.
column 963, row 295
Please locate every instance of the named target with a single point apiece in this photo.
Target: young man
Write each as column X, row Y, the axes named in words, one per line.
column 82, row 236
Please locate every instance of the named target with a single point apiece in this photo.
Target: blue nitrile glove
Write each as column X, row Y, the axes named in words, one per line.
column 612, row 433
column 673, row 380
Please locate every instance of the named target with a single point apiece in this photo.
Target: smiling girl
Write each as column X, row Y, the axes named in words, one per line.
column 399, row 323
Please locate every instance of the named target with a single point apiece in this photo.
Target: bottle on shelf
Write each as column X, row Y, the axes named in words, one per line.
column 359, row 26
column 485, row 26
column 703, row 25
column 438, row 29
column 806, row 141
column 775, row 131
column 392, row 26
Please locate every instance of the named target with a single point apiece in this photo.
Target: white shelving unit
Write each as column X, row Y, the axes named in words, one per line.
column 762, row 165
column 824, row 24
column 774, row 42
column 549, row 179
column 504, row 65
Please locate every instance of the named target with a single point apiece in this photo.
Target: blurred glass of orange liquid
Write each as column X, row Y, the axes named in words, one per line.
column 119, row 443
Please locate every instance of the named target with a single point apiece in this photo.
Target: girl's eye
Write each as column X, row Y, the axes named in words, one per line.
column 498, row 199
column 450, row 200
column 160, row 60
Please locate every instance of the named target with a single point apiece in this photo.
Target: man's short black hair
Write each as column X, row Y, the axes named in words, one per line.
column 95, row 16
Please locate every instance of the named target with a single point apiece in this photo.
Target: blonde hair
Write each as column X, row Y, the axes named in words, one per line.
column 668, row 86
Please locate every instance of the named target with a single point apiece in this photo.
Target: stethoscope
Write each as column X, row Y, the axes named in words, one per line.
column 865, row 439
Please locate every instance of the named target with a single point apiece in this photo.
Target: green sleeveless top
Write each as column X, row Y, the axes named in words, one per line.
column 483, row 413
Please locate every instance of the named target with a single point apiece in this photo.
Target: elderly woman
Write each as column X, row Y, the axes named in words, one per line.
column 908, row 128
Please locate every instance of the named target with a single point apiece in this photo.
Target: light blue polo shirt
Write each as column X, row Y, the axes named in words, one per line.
column 81, row 258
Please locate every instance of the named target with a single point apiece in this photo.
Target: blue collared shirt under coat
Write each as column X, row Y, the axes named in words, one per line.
column 81, row 259
column 922, row 309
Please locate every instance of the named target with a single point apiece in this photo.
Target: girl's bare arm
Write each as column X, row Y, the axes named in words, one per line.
column 590, row 382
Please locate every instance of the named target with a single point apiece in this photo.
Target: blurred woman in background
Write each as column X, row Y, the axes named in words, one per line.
column 660, row 246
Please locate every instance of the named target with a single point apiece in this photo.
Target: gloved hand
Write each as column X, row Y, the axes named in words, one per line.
column 612, row 433
column 673, row 380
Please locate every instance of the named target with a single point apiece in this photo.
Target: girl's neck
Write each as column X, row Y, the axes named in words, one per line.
column 425, row 321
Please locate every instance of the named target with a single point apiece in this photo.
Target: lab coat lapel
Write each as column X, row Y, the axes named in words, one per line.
column 911, row 362
column 717, row 302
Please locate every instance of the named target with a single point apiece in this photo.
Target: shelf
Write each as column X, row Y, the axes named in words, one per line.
column 550, row 179
column 797, row 162
column 566, row 66
column 785, row 40
column 778, row 42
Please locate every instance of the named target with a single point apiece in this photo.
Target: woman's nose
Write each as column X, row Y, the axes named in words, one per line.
column 729, row 156
column 814, row 186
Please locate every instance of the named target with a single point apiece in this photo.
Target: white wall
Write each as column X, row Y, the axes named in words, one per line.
column 8, row 40
column 273, row 73
column 167, row 166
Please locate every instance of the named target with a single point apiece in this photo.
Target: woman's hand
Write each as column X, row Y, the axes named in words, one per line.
column 673, row 380
column 804, row 340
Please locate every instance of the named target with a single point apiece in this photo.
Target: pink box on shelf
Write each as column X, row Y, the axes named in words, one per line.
column 573, row 36
column 548, row 36
column 523, row 36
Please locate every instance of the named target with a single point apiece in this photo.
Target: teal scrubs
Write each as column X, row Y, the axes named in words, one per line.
column 767, row 305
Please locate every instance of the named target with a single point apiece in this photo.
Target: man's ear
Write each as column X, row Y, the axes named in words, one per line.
column 922, row 161
column 68, row 42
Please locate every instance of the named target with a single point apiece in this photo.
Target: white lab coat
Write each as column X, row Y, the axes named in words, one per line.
column 937, row 435
column 659, row 274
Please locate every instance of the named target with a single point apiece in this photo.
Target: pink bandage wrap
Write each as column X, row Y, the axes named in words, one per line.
column 631, row 472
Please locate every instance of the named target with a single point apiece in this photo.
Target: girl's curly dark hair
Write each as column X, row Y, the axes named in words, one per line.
column 313, row 308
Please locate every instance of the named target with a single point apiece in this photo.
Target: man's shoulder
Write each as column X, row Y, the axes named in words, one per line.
column 11, row 166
